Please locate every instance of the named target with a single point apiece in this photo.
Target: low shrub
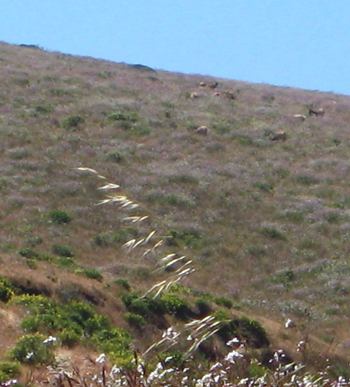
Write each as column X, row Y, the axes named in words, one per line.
column 69, row 338
column 9, row 370
column 28, row 253
column 60, row 217
column 62, row 251
column 90, row 273
column 135, row 319
column 65, row 262
column 44, row 109
column 123, row 283
column 177, row 306
column 115, row 157
column 307, row 180
column 118, row 116
column 223, row 301
column 6, row 290
column 252, row 331
column 273, row 233
column 32, row 349
column 115, row 342
column 34, row 241
column 72, row 122
column 203, row 307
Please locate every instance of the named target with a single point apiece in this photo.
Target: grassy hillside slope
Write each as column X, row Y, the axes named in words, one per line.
column 266, row 223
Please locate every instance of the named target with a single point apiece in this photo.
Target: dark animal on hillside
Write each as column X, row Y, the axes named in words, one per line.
column 203, row 84
column 203, row 130
column 194, row 95
column 316, row 112
column 214, row 85
column 230, row 94
column 279, row 136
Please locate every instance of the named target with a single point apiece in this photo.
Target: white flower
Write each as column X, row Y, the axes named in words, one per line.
column 50, row 339
column 301, row 346
column 233, row 342
column 10, row 382
column 30, row 355
column 216, row 365
column 101, row 359
column 231, row 356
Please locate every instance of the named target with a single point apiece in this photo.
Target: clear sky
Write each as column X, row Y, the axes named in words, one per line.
column 297, row 43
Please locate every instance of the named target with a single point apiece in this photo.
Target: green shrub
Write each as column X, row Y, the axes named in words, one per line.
column 6, row 291
column 140, row 130
column 28, row 253
column 44, row 109
column 123, row 283
column 307, row 180
column 80, row 312
column 264, row 186
column 34, row 241
column 115, row 157
column 333, row 217
column 136, row 305
column 118, row 116
column 223, row 301
column 203, row 307
column 176, row 306
column 336, row 141
column 9, row 370
column 96, row 323
column 72, row 122
column 190, row 236
column 135, row 319
column 31, row 349
column 273, row 233
column 252, row 331
column 62, row 251
column 120, row 236
column 115, row 342
column 59, row 217
column 65, row 262
column 90, row 273
column 294, row 216
column 69, row 338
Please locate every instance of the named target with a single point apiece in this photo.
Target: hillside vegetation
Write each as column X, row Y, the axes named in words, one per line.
column 263, row 225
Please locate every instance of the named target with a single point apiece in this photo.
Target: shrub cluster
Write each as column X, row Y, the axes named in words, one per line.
column 72, row 323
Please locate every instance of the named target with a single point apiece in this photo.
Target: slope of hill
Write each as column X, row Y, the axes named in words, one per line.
column 265, row 223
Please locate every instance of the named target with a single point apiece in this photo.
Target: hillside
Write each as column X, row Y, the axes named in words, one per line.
column 265, row 223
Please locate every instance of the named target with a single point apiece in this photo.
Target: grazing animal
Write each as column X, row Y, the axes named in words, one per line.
column 213, row 85
column 316, row 112
column 300, row 117
column 230, row 94
column 203, row 84
column 203, row 130
column 194, row 95
column 279, row 136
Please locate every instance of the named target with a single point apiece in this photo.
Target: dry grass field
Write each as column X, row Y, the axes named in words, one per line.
column 264, row 223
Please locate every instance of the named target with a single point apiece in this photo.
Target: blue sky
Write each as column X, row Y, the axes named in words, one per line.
column 297, row 43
